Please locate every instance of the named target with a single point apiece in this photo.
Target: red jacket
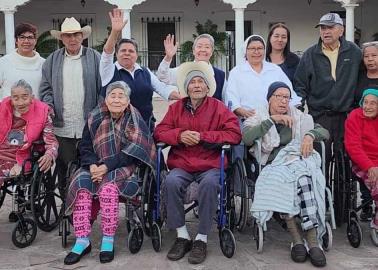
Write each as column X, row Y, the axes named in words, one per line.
column 361, row 139
column 35, row 119
column 216, row 125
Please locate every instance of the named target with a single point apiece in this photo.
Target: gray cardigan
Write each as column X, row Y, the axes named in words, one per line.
column 51, row 88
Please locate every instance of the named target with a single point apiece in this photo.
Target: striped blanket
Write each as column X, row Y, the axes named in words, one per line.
column 276, row 186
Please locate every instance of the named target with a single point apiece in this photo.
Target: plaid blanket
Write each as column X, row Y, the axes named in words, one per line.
column 128, row 134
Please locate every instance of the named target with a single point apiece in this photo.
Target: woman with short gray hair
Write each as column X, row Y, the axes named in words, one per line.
column 114, row 139
column 23, row 116
column 203, row 48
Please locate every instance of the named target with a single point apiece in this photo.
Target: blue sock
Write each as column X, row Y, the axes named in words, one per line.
column 80, row 244
column 107, row 243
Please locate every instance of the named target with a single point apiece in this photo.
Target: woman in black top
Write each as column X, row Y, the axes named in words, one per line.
column 278, row 50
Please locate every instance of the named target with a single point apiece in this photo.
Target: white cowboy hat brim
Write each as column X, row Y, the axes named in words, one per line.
column 86, row 30
column 202, row 66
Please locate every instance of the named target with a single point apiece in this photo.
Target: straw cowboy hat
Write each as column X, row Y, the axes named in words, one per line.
column 200, row 67
column 70, row 26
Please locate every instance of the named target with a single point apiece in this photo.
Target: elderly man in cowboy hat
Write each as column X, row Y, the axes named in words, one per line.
column 70, row 85
column 193, row 126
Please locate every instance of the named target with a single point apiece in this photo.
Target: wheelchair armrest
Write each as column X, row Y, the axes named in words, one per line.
column 226, row 147
column 161, row 145
column 38, row 142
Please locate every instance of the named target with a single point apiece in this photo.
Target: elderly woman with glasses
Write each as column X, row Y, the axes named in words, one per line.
column 249, row 81
column 22, row 63
column 24, row 120
column 115, row 137
column 287, row 137
column 361, row 136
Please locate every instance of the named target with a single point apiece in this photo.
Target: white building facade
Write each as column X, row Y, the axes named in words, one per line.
column 151, row 20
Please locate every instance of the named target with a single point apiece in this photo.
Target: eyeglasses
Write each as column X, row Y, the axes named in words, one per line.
column 255, row 49
column 23, row 38
column 282, row 98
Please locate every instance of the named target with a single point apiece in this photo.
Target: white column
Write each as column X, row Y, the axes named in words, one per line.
column 239, row 34
column 349, row 21
column 9, row 30
column 126, row 31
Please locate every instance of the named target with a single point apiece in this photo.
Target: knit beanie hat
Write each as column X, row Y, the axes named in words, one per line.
column 191, row 75
column 370, row 91
column 274, row 86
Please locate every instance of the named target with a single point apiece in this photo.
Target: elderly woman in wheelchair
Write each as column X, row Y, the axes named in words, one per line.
column 195, row 127
column 361, row 134
column 24, row 120
column 115, row 139
column 292, row 184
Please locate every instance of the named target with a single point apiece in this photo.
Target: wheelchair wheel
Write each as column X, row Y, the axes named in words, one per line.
column 227, row 242
column 354, row 233
column 258, row 235
column 3, row 193
column 156, row 237
column 44, row 201
column 239, row 195
column 327, row 237
column 148, row 201
column 24, row 233
column 374, row 236
column 339, row 189
column 135, row 239
column 65, row 231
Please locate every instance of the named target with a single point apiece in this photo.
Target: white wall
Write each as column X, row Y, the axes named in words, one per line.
column 300, row 17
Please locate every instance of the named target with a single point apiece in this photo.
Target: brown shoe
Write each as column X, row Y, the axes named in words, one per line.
column 180, row 247
column 198, row 253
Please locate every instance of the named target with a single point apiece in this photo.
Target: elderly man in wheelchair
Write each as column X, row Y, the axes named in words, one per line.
column 195, row 127
column 292, row 184
column 24, row 120
column 115, row 139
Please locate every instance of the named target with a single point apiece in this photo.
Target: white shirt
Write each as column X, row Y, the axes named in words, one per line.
column 14, row 67
column 248, row 89
column 107, row 68
column 73, row 97
column 169, row 75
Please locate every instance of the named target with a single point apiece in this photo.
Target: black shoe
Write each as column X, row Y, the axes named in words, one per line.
column 317, row 257
column 299, row 253
column 73, row 257
column 366, row 213
column 106, row 256
column 198, row 253
column 180, row 247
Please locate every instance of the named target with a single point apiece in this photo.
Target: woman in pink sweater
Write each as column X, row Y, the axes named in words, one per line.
column 24, row 120
column 361, row 136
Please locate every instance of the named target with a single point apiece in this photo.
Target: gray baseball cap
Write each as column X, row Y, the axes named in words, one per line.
column 330, row 19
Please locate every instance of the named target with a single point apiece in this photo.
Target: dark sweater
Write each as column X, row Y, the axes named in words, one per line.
column 313, row 80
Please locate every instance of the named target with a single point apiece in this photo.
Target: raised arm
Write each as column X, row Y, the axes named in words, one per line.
column 117, row 22
column 164, row 73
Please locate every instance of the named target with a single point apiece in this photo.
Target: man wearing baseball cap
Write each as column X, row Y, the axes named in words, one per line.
column 326, row 78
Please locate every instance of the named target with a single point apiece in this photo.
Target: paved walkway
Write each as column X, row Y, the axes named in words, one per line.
column 47, row 253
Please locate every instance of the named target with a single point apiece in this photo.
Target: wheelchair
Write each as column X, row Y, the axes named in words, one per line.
column 32, row 192
column 139, row 210
column 227, row 213
column 346, row 192
column 251, row 168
